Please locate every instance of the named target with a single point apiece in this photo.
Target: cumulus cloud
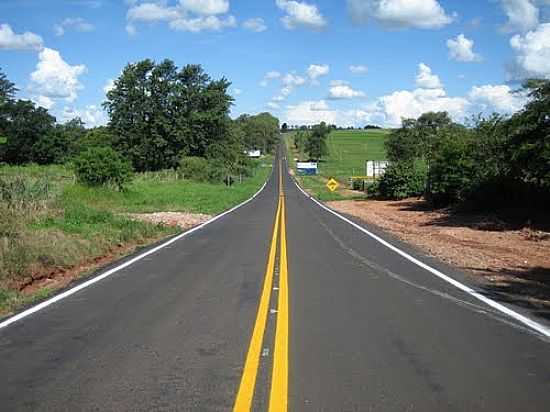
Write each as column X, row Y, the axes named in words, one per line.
column 301, row 14
column 73, row 23
column 532, row 54
column 523, row 15
column 340, row 90
column 499, row 98
column 43, row 101
column 462, row 49
column 420, row 14
column 208, row 23
column 273, row 105
column 12, row 41
column 187, row 15
column 109, row 85
column 54, row 78
column 359, row 69
column 256, row 24
column 411, row 104
column 208, row 7
column 237, row 92
column 315, row 71
column 309, row 113
column 91, row 115
column 272, row 75
column 425, row 79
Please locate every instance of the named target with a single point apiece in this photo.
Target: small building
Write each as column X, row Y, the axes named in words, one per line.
column 306, row 168
column 254, row 154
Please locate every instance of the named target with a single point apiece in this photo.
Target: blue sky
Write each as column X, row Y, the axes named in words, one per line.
column 349, row 62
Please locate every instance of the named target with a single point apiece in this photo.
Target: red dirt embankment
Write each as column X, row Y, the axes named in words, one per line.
column 513, row 262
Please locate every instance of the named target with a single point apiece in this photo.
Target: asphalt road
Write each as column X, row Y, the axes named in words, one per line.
column 278, row 305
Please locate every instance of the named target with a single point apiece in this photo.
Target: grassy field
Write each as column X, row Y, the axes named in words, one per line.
column 50, row 223
column 348, row 152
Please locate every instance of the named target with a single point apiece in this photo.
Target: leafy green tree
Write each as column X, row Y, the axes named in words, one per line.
column 529, row 146
column 316, row 143
column 26, row 126
column 157, row 113
column 261, row 132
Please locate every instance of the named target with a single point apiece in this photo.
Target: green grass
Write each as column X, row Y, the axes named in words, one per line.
column 76, row 224
column 348, row 152
column 150, row 195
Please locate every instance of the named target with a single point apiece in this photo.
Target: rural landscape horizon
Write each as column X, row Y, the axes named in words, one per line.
column 282, row 205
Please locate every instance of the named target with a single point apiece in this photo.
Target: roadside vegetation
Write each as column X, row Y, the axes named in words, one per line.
column 495, row 162
column 66, row 191
column 344, row 155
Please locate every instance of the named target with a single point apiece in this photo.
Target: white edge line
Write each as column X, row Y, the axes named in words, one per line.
column 495, row 305
column 108, row 273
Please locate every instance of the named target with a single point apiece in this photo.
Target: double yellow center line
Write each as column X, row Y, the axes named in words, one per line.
column 278, row 398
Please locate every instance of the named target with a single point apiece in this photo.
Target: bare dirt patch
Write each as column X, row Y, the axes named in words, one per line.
column 182, row 220
column 512, row 261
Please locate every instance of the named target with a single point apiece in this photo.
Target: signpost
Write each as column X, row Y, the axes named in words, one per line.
column 332, row 184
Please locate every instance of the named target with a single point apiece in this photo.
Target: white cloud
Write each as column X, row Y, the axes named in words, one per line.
column 359, row 69
column 532, row 54
column 188, row 15
column 273, row 106
column 152, row 12
column 522, row 15
column 425, row 79
column 343, row 91
column 308, row 113
column 256, row 24
column 301, row 14
column 91, row 115
column 497, row 98
column 319, row 106
column 208, row 7
column 12, row 41
column 461, row 49
column 315, row 71
column 54, row 78
column 421, row 14
column 411, row 104
column 198, row 24
column 73, row 23
column 43, row 101
column 292, row 80
column 237, row 92
column 109, row 86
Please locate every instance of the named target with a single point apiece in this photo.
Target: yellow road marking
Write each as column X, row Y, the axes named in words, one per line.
column 243, row 403
column 278, row 399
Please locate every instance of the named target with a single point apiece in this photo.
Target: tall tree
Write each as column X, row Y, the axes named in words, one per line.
column 26, row 126
column 316, row 143
column 158, row 113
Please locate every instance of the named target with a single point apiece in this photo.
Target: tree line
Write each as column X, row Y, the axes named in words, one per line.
column 158, row 115
column 495, row 161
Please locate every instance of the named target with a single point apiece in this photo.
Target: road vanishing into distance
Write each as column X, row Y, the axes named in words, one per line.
column 279, row 305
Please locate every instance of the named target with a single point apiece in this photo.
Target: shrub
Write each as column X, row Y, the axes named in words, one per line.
column 194, row 168
column 453, row 171
column 402, row 180
column 100, row 166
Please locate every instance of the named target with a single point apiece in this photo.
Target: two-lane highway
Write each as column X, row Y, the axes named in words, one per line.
column 278, row 305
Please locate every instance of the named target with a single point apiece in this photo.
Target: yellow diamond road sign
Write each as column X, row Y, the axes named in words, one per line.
column 332, row 185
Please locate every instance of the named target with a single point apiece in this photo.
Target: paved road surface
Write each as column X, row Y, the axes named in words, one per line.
column 278, row 305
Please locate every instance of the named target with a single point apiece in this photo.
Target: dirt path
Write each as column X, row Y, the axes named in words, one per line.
column 513, row 263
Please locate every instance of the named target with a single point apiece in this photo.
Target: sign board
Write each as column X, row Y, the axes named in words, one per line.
column 376, row 168
column 332, row 185
column 306, row 168
column 255, row 154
